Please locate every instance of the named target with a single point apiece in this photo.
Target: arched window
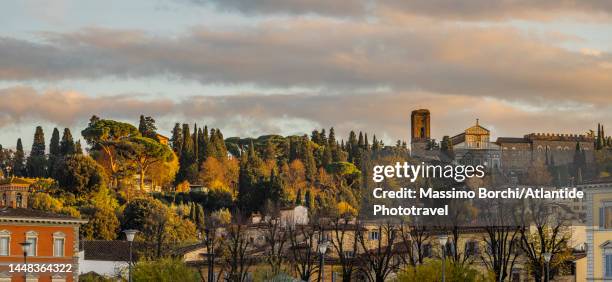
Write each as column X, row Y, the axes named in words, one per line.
column 19, row 200
column 4, row 199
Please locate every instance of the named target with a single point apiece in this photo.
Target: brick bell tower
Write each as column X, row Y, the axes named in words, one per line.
column 421, row 130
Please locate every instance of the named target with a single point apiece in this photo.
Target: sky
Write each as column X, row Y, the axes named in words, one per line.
column 254, row 67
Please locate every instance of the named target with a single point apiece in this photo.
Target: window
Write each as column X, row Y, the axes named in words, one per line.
column 19, row 200
column 32, row 238
column 5, row 240
column 608, row 265
column 374, row 235
column 4, row 199
column 58, row 244
column 471, row 248
column 605, row 215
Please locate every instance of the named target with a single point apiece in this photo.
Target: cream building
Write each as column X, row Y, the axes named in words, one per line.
column 599, row 231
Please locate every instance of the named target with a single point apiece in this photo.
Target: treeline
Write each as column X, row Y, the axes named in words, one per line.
column 39, row 163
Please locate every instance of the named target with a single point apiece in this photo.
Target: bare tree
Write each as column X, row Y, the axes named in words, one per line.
column 344, row 243
column 379, row 262
column 543, row 232
column 275, row 237
column 235, row 260
column 501, row 238
column 412, row 237
column 302, row 252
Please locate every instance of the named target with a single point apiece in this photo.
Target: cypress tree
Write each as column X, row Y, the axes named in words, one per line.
column 310, row 165
column 201, row 147
column 187, row 163
column 298, row 197
column 177, row 139
column 308, row 199
column 200, row 219
column 67, row 146
column 375, row 145
column 19, row 159
column 54, row 143
column 367, row 144
column 38, row 145
column 211, row 149
column 323, row 138
column 196, row 143
column 332, row 138
column 54, row 150
column 37, row 161
column 78, row 150
column 361, row 142
column 220, row 145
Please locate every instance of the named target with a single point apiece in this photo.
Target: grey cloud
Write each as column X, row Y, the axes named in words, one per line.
column 317, row 53
column 446, row 9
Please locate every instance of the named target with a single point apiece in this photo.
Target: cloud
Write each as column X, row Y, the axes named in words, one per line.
column 386, row 114
column 445, row 9
column 66, row 108
column 326, row 54
column 323, row 7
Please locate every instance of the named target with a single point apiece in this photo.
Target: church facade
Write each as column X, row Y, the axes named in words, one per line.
column 510, row 155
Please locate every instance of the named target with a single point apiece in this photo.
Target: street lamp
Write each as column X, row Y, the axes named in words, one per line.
column 443, row 240
column 322, row 249
column 129, row 235
column 547, row 257
column 25, row 246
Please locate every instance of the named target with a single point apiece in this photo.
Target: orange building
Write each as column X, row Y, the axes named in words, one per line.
column 48, row 242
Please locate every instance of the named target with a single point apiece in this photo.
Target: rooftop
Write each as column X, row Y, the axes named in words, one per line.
column 23, row 214
column 114, row 250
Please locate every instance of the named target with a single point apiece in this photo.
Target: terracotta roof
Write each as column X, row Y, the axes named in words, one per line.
column 32, row 214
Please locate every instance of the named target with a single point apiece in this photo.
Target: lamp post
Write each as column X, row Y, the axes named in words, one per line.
column 322, row 249
column 443, row 240
column 25, row 245
column 547, row 257
column 129, row 235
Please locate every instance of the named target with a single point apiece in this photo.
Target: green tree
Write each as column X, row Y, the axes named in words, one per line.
column 54, row 150
column 147, row 128
column 19, row 160
column 67, row 146
column 79, row 174
column 37, row 161
column 102, row 224
column 177, row 139
column 188, row 169
column 144, row 152
column 103, row 135
column 164, row 270
column 157, row 223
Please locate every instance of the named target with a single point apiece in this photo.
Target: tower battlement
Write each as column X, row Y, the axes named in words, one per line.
column 559, row 137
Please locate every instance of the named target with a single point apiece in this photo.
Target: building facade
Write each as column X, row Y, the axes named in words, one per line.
column 473, row 147
column 599, row 231
column 48, row 242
